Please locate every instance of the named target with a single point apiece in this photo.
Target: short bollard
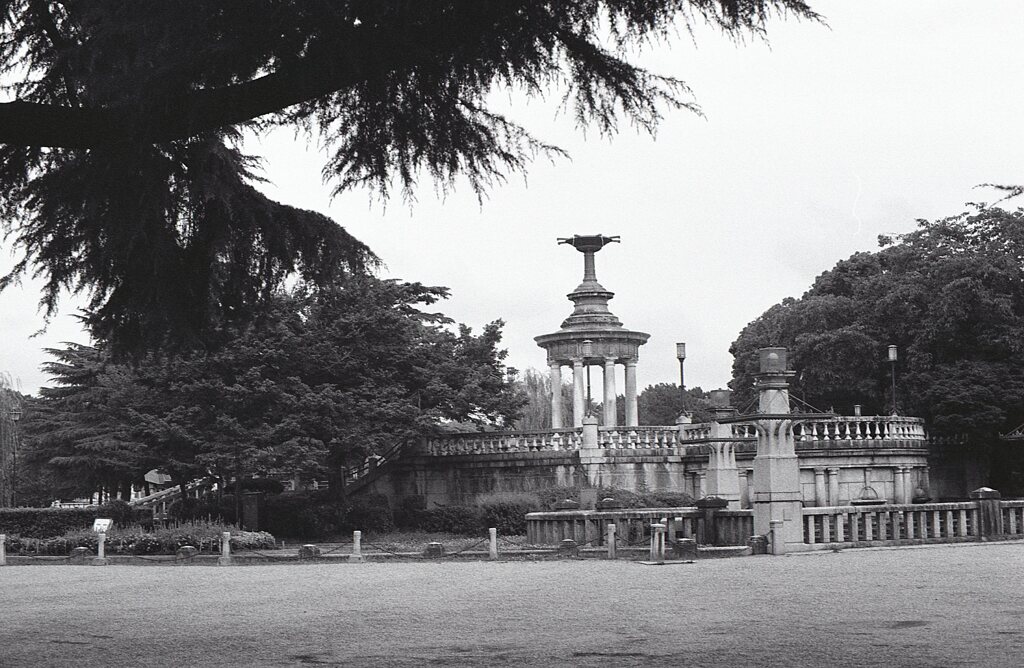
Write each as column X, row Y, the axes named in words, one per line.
column 309, row 551
column 658, row 543
column 3, row 549
column 568, row 548
column 78, row 556
column 778, row 541
column 493, row 536
column 434, row 550
column 610, row 541
column 225, row 549
column 186, row 553
column 357, row 547
column 685, row 549
column 101, row 550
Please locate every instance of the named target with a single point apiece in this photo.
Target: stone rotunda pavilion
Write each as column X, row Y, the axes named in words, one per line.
column 592, row 336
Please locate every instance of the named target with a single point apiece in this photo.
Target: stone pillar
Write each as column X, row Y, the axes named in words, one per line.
column 723, row 478
column 926, row 484
column 609, row 392
column 908, row 485
column 590, row 453
column 579, row 393
column 833, row 487
column 898, row 491
column 820, row 491
column 632, row 416
column 556, row 394
column 744, row 491
column 778, row 507
column 702, row 484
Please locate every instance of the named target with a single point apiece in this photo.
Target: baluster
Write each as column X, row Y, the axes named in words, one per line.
column 909, row 518
column 869, row 529
column 936, row 523
column 826, row 528
column 809, row 529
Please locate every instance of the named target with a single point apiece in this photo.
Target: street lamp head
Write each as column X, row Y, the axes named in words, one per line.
column 681, row 351
column 892, row 353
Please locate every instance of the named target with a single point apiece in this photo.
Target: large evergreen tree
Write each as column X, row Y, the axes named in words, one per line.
column 120, row 174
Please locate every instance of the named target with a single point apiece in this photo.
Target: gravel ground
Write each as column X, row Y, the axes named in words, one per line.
column 951, row 605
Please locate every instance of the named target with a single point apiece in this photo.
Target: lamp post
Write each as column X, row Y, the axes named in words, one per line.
column 587, row 351
column 681, row 354
column 892, row 368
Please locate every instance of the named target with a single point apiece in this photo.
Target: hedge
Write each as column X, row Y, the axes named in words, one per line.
column 205, row 536
column 51, row 522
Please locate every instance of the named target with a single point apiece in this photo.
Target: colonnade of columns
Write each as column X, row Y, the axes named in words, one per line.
column 579, row 392
column 826, row 484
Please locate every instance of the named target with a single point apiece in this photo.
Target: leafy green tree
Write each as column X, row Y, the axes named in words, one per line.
column 535, row 387
column 120, row 174
column 949, row 295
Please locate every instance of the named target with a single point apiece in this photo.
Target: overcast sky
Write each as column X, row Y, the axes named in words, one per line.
column 810, row 148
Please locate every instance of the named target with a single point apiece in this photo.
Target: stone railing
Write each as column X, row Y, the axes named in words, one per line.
column 925, row 522
column 864, row 431
column 615, row 438
column 504, row 441
column 849, row 428
column 589, row 527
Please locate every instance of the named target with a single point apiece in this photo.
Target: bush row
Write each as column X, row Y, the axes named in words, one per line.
column 205, row 536
column 52, row 522
column 317, row 515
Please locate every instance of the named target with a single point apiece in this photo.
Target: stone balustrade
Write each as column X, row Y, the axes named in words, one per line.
column 480, row 443
column 617, row 438
column 850, row 428
column 939, row 522
column 589, row 527
column 867, row 431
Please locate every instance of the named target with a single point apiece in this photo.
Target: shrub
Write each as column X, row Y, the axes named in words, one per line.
column 371, row 513
column 506, row 511
column 466, row 520
column 205, row 536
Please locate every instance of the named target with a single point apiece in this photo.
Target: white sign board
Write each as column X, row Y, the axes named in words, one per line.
column 101, row 525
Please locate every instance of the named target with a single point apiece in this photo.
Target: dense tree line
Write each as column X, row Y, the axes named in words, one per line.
column 949, row 295
column 322, row 380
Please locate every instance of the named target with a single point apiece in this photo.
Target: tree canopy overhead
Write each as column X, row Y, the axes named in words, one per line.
column 119, row 170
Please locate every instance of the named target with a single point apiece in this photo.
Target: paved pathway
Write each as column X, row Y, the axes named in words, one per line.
column 956, row 605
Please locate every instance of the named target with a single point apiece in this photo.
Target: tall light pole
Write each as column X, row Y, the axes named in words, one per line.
column 588, row 351
column 892, row 368
column 681, row 354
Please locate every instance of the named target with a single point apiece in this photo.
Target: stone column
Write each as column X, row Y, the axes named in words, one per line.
column 744, row 489
column 833, row 487
column 632, row 416
column 579, row 393
column 778, row 502
column 609, row 392
column 556, row 394
column 723, row 478
column 898, row 490
column 820, row 492
column 908, row 485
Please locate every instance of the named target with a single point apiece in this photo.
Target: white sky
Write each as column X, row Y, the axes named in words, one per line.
column 811, row 147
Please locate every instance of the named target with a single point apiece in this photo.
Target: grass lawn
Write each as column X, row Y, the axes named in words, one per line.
column 955, row 605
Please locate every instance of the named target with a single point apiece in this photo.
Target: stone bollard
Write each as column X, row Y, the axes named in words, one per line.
column 186, row 553
column 685, row 549
column 492, row 535
column 3, row 549
column 225, row 549
column 568, row 548
column 610, row 541
column 357, row 547
column 990, row 512
column 708, row 527
column 101, row 550
column 309, row 551
column 434, row 550
column 78, row 556
column 758, row 544
column 658, row 543
column 778, row 540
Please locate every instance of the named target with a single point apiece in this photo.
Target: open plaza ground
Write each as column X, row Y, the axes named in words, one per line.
column 943, row 605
